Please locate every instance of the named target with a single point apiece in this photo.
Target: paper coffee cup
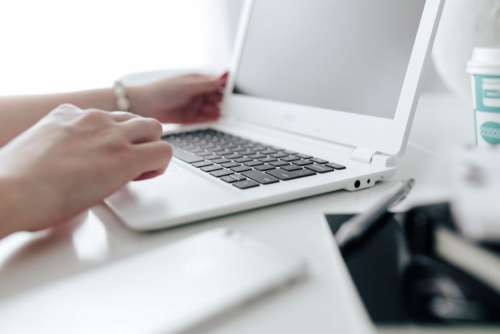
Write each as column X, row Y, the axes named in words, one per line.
column 485, row 70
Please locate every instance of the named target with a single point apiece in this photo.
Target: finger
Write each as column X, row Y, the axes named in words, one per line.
column 207, row 118
column 67, row 111
column 209, row 109
column 192, row 110
column 207, row 86
column 224, row 78
column 141, row 130
column 67, row 107
column 197, row 103
column 122, row 116
column 149, row 175
column 208, row 115
column 214, row 98
column 152, row 158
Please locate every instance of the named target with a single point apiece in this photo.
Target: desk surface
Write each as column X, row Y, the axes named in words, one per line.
column 31, row 261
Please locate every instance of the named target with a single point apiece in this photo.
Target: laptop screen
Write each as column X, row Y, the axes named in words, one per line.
column 344, row 55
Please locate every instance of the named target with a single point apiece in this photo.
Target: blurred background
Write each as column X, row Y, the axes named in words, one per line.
column 58, row 45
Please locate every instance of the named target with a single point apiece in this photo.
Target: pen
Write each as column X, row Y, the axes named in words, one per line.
column 359, row 226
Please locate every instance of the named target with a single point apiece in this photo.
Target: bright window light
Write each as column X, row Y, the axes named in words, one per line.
column 61, row 45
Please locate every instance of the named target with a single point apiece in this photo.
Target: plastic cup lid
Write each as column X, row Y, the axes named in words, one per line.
column 485, row 61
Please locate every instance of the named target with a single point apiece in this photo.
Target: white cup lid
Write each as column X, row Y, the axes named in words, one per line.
column 485, row 61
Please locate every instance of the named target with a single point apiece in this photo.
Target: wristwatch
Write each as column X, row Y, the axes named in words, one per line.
column 122, row 101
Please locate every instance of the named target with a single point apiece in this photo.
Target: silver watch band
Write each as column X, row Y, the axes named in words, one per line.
column 122, row 101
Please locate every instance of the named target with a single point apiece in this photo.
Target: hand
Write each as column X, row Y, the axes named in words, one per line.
column 184, row 100
column 72, row 159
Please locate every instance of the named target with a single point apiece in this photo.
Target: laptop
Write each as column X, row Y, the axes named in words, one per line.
column 320, row 98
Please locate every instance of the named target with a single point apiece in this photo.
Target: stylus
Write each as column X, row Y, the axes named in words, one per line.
column 354, row 230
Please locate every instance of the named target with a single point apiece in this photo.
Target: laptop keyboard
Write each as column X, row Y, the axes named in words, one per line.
column 244, row 163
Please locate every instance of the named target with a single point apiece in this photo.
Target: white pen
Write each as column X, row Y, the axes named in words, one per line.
column 357, row 227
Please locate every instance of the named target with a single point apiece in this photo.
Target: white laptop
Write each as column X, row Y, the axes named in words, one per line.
column 321, row 97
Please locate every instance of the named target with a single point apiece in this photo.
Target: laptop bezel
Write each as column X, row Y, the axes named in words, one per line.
column 387, row 136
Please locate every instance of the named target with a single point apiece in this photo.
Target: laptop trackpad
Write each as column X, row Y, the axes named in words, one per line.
column 177, row 193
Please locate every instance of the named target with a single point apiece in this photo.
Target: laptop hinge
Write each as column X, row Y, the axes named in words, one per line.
column 373, row 157
column 364, row 155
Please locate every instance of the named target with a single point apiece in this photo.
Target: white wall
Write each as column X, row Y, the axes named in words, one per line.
column 59, row 45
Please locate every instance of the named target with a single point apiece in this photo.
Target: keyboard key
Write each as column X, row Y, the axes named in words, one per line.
column 229, row 179
column 257, row 156
column 320, row 168
column 238, row 177
column 279, row 155
column 212, row 157
column 304, row 156
column 246, row 184
column 202, row 164
column 319, row 161
column 266, row 160
column 279, row 163
column 285, row 175
column 220, row 161
column 221, row 150
column 290, row 158
column 303, row 162
column 230, row 165
column 268, row 152
column 186, row 156
column 221, row 173
column 196, row 150
column 241, row 169
column 253, row 163
column 260, row 177
column 212, row 168
column 264, row 168
column 291, row 168
column 336, row 166
column 242, row 160
column 233, row 156
column 205, row 154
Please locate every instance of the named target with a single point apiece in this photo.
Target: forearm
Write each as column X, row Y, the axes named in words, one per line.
column 10, row 207
column 27, row 201
column 18, row 113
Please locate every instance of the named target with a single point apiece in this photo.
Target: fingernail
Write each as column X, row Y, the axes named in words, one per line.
column 224, row 76
column 148, row 175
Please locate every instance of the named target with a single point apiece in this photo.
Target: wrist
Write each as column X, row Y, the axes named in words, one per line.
column 12, row 214
column 137, row 100
column 26, row 204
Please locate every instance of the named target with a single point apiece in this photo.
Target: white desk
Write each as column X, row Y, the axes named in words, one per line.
column 29, row 262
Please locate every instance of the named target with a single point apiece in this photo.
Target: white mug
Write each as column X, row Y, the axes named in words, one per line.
column 485, row 70
column 464, row 25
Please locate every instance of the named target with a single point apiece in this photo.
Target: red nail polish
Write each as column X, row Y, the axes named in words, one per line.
column 225, row 76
